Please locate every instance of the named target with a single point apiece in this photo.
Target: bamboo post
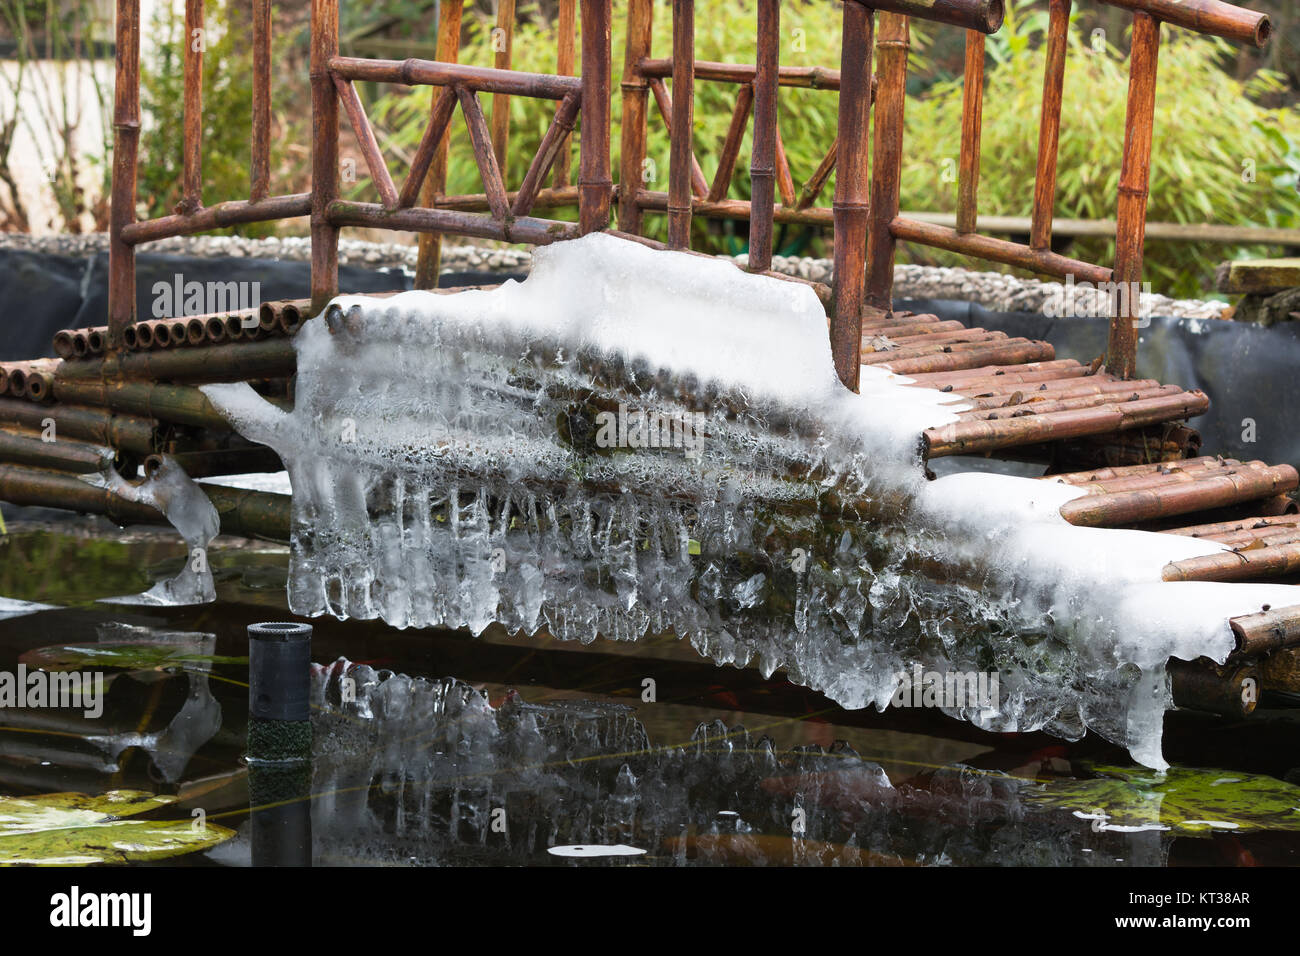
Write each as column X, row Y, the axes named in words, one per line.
column 852, row 186
column 682, row 135
column 503, row 41
column 594, row 180
column 429, row 258
column 888, row 163
column 564, row 67
column 126, row 144
column 1049, row 130
column 640, row 16
column 731, row 145
column 762, row 163
column 972, row 123
column 260, row 167
column 192, row 155
column 325, row 153
column 1134, row 186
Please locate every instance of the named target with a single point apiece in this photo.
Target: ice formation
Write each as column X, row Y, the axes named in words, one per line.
column 521, row 455
column 183, row 503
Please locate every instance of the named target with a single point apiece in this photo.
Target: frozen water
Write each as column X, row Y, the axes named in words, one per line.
column 633, row 440
column 183, row 503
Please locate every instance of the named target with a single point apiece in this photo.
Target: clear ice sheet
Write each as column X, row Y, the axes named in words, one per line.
column 446, row 468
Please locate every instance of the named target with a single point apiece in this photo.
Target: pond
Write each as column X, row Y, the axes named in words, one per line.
column 434, row 747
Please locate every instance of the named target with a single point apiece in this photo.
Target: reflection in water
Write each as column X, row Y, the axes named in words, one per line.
column 412, row 770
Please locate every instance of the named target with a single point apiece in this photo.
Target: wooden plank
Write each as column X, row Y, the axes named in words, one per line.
column 1258, row 276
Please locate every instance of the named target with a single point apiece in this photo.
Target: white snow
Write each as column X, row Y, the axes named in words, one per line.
column 444, row 473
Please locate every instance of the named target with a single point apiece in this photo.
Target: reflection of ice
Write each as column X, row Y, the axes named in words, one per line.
column 415, row 770
column 12, row 607
column 448, row 469
column 183, row 503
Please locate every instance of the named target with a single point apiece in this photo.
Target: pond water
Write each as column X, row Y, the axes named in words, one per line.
column 527, row 750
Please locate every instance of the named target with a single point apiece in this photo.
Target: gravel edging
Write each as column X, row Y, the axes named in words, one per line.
column 993, row 290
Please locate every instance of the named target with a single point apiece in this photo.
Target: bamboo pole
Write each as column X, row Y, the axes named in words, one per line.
column 325, row 153
column 664, row 102
column 65, row 454
column 1206, row 16
column 640, row 16
column 972, row 122
column 886, row 180
column 1049, row 129
column 192, row 155
column 762, row 162
column 594, row 181
column 126, row 144
column 481, row 139
column 813, row 188
column 234, row 212
column 1201, row 685
column 1183, row 498
column 1267, row 631
column 444, row 104
column 429, row 256
column 548, row 151
column 512, row 229
column 503, row 46
column 97, row 425
column 994, row 250
column 683, row 125
column 730, row 151
column 851, row 209
column 1276, row 561
column 1134, row 187
column 366, row 140
column 566, row 29
column 744, row 74
column 260, row 166
column 235, row 361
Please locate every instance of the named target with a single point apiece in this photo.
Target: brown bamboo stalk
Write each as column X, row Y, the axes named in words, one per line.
column 503, row 45
column 444, row 105
column 983, row 15
column 813, row 188
column 126, row 144
column 97, row 425
column 595, row 184
column 994, row 410
column 640, row 16
column 739, row 209
column 1276, row 561
column 664, row 103
column 232, row 213
column 1267, row 631
column 1206, row 16
column 547, row 152
column 481, row 139
column 1010, row 352
column 1214, row 529
column 1049, row 131
column 886, row 180
column 762, row 162
column 1182, row 498
column 784, row 179
column 366, row 140
column 325, row 152
column 481, row 79
column 681, row 148
column 1134, row 187
column 67, row 454
column 232, row 362
column 429, row 255
column 192, row 155
column 1171, row 475
column 565, row 29
column 517, row 229
column 999, row 250
column 939, row 343
column 730, row 151
column 972, row 123
column 851, row 208
column 1038, row 372
column 260, row 167
column 1112, row 472
column 802, row 77
column 979, row 436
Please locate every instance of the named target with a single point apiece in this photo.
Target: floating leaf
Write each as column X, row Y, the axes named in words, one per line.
column 76, row 829
column 1184, row 800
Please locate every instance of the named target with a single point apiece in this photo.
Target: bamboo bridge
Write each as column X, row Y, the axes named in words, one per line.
column 130, row 386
